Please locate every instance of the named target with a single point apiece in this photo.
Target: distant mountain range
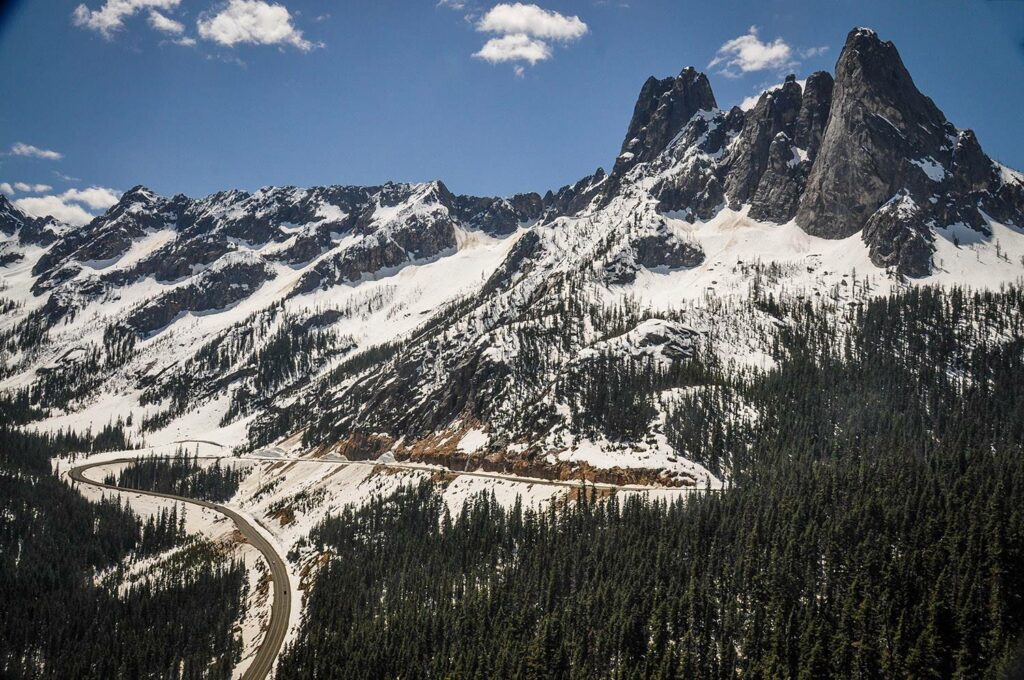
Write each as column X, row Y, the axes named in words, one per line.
column 409, row 321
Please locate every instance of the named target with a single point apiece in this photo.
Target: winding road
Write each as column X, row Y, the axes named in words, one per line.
column 280, row 611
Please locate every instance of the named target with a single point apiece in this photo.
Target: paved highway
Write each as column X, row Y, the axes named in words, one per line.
column 263, row 664
column 280, row 612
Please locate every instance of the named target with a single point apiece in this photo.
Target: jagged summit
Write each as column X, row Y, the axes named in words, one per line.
column 878, row 118
column 661, row 110
column 836, row 155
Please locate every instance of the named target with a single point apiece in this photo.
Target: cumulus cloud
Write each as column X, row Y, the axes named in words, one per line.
column 165, row 24
column 97, row 198
column 68, row 206
column 110, row 17
column 54, row 206
column 531, row 20
column 524, row 33
column 516, row 47
column 22, row 149
column 749, row 53
column 6, row 188
column 254, row 22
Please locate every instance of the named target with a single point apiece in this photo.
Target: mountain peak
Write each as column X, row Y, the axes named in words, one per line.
column 662, row 109
column 878, row 118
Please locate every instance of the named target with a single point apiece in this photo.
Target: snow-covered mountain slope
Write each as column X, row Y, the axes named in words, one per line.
column 540, row 335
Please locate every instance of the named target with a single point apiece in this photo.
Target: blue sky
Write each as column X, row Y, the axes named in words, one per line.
column 213, row 94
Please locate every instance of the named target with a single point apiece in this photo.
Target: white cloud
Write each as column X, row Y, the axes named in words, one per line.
column 519, row 71
column 22, row 149
column 6, row 188
column 747, row 53
column 165, row 24
column 27, row 188
column 452, row 4
column 54, row 206
column 525, row 31
column 97, row 198
column 68, row 206
column 514, row 48
column 185, row 42
column 254, row 22
column 110, row 18
column 531, row 20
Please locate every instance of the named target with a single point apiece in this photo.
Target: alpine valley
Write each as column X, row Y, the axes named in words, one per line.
column 760, row 312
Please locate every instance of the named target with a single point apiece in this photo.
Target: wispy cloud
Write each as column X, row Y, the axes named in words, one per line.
column 813, row 52
column 164, row 24
column 525, row 33
column 748, row 53
column 253, row 22
column 110, row 17
column 22, row 149
column 26, row 188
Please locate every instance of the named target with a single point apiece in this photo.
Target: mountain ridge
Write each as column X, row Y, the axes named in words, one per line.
column 401, row 319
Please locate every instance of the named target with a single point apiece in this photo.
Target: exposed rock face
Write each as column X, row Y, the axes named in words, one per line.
column 344, row 232
column 653, row 247
column 898, row 237
column 775, row 114
column 782, row 168
column 661, row 250
column 574, row 198
column 106, row 239
column 693, row 185
column 812, row 120
column 780, row 186
column 499, row 215
column 661, row 111
column 878, row 121
column 890, row 164
column 214, row 290
column 830, row 156
column 11, row 219
column 24, row 230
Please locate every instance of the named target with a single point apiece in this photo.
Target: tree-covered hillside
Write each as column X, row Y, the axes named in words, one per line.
column 875, row 529
column 57, row 621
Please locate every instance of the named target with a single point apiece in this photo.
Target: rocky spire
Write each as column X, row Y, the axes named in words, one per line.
column 813, row 116
column 662, row 109
column 878, row 118
column 775, row 113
